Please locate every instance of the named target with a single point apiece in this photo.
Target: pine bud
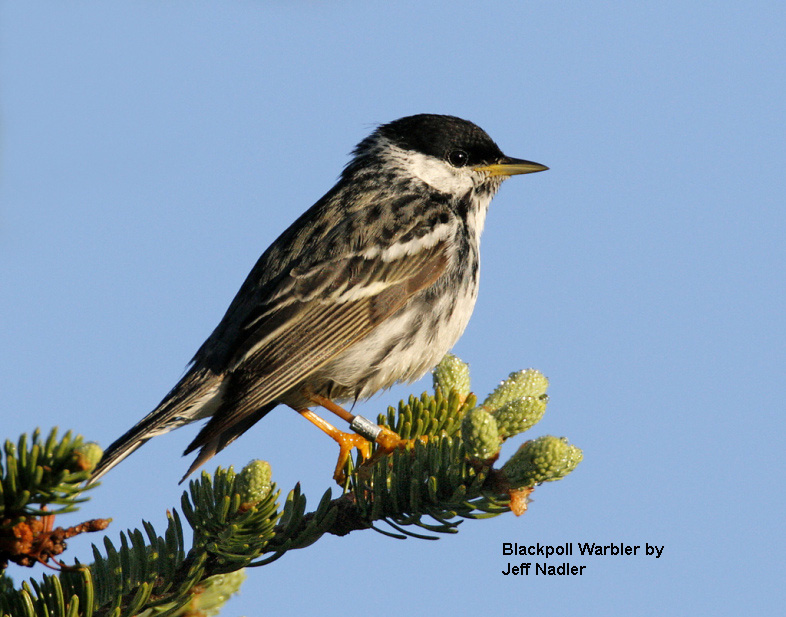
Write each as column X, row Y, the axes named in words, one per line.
column 210, row 596
column 519, row 415
column 452, row 374
column 254, row 482
column 480, row 434
column 530, row 382
column 87, row 456
column 544, row 459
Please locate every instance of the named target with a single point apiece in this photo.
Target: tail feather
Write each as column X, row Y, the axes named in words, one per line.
column 210, row 446
column 119, row 450
column 196, row 396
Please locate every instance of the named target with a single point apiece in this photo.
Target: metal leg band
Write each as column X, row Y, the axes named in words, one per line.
column 365, row 428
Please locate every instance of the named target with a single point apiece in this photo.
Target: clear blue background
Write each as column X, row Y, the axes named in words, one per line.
column 151, row 151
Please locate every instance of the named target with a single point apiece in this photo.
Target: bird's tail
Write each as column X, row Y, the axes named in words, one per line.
column 211, row 442
column 196, row 396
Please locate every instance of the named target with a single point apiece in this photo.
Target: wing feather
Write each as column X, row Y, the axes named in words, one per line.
column 331, row 306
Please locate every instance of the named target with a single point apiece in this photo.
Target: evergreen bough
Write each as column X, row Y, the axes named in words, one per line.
column 447, row 474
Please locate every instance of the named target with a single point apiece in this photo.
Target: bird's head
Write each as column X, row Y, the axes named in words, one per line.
column 449, row 154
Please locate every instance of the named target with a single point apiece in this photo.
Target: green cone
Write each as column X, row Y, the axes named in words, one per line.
column 452, row 374
column 254, row 482
column 480, row 434
column 519, row 415
column 518, row 385
column 87, row 455
column 544, row 459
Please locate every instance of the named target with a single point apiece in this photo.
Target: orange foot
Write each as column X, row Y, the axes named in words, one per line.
column 389, row 441
column 345, row 441
column 365, row 432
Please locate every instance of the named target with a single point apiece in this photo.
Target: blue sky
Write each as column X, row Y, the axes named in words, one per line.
column 151, row 151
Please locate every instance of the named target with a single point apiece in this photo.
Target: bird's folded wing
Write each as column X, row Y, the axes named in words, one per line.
column 316, row 313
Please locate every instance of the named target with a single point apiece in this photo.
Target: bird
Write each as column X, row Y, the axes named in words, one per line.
column 370, row 286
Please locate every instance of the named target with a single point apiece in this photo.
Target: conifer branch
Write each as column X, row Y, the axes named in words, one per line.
column 445, row 475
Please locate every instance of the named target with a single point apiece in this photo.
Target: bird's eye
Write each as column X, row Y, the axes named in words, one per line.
column 458, row 158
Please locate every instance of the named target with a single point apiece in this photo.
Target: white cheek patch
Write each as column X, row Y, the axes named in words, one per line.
column 438, row 174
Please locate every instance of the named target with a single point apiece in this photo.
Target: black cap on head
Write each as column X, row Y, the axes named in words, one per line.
column 439, row 136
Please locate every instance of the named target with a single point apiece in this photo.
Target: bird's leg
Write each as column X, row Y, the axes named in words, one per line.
column 346, row 441
column 387, row 439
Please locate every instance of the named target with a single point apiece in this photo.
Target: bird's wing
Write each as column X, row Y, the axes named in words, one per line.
column 313, row 315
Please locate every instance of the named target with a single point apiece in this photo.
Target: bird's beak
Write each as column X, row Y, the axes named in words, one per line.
column 511, row 167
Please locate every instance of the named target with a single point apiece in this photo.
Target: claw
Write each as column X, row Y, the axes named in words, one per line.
column 387, row 439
